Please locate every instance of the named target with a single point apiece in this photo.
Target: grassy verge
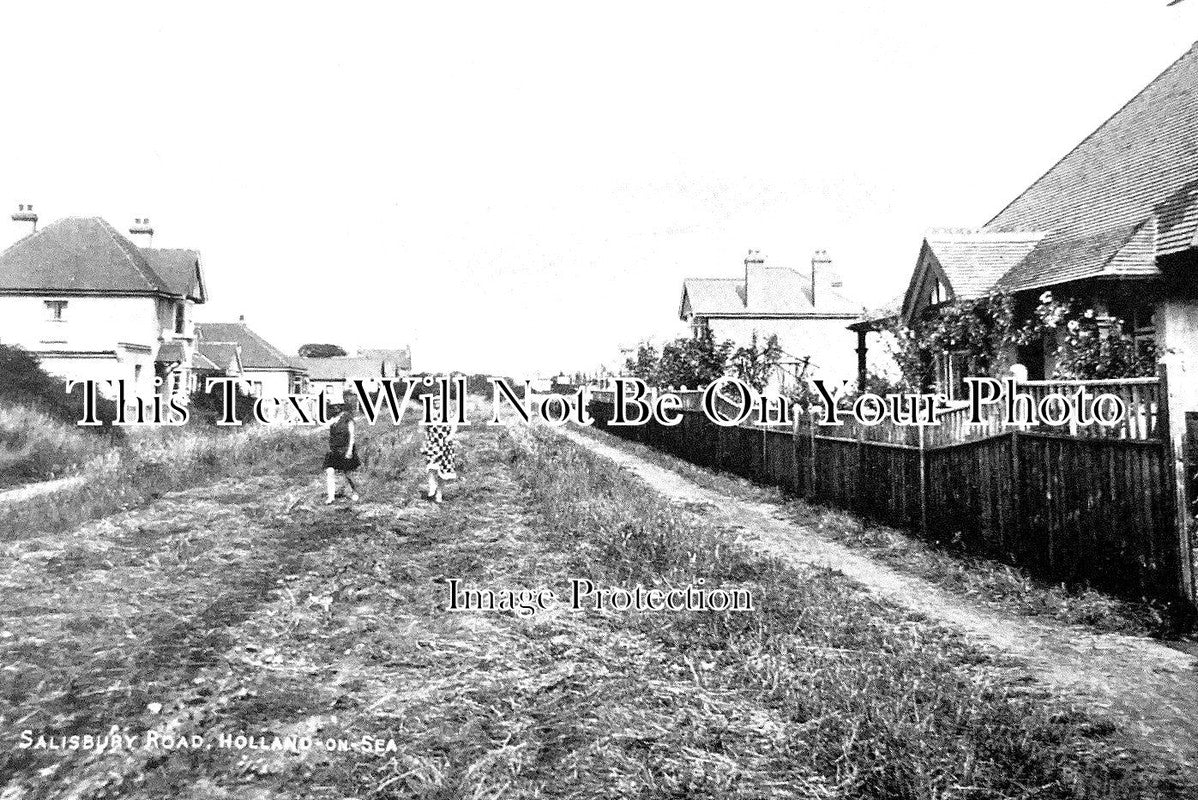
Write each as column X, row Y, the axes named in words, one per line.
column 866, row 702
column 984, row 581
column 35, row 447
column 149, row 465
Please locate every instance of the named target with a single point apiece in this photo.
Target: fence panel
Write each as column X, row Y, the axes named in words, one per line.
column 1099, row 510
column 1094, row 507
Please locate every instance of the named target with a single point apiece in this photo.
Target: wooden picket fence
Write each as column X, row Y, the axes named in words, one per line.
column 1094, row 505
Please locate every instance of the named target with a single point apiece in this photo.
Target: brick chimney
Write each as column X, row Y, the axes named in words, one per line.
column 142, row 228
column 753, row 261
column 824, row 278
column 24, row 213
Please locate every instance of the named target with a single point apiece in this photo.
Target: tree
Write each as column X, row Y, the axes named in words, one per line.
column 693, row 362
column 754, row 364
column 645, row 364
column 320, row 351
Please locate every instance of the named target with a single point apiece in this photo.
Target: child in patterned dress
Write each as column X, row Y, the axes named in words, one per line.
column 439, row 448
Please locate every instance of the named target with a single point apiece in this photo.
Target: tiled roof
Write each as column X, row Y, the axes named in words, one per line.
column 973, row 261
column 179, row 270
column 401, row 357
column 169, row 353
column 220, row 355
column 1060, row 258
column 86, row 254
column 256, row 352
column 773, row 291
column 78, row 254
column 707, row 295
column 343, row 368
column 1141, row 163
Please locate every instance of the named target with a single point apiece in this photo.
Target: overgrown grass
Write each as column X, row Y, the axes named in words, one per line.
column 871, row 703
column 35, row 447
column 983, row 580
column 155, row 461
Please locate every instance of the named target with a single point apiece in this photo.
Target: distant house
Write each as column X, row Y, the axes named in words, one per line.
column 805, row 309
column 215, row 359
column 334, row 376
column 1113, row 225
column 89, row 303
column 264, row 370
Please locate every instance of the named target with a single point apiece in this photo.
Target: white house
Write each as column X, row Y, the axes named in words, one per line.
column 89, row 303
column 264, row 369
column 804, row 309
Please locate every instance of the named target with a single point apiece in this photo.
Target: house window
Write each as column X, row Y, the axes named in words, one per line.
column 180, row 317
column 699, row 327
column 936, row 296
column 57, row 309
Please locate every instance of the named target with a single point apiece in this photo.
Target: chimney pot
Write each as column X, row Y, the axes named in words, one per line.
column 24, row 213
column 141, row 227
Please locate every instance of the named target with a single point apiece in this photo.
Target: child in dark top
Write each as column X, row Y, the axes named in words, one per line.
column 342, row 456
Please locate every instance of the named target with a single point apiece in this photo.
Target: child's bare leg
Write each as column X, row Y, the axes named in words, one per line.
column 440, row 483
column 352, row 486
column 432, row 482
column 330, row 482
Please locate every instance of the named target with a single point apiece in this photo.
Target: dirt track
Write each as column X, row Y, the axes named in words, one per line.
column 1150, row 686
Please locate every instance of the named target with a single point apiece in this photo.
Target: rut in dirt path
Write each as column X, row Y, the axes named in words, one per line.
column 1150, row 687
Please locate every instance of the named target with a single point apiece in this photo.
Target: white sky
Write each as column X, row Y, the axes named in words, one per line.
column 521, row 188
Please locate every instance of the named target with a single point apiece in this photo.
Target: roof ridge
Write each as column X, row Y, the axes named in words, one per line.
column 140, row 269
column 1193, row 50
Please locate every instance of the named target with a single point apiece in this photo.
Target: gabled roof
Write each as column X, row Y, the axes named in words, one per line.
column 256, row 352
column 179, row 270
column 974, row 261
column 1140, row 164
column 79, row 254
column 707, row 295
column 219, row 356
column 87, row 255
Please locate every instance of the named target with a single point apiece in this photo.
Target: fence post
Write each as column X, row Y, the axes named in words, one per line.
column 1015, row 529
column 923, row 483
column 812, row 493
column 1172, row 426
column 859, row 498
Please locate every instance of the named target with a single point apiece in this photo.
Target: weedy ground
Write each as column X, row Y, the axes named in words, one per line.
column 249, row 607
column 34, row 447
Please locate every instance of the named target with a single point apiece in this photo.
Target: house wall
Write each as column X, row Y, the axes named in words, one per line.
column 124, row 366
column 266, row 382
column 1176, row 323
column 89, row 323
column 831, row 346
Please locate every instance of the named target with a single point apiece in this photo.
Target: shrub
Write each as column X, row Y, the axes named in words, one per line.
column 35, row 447
column 24, row 383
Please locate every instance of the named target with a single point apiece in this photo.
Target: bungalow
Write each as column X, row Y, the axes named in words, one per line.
column 1113, row 225
column 264, row 369
column 333, row 375
column 91, row 304
column 804, row 309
